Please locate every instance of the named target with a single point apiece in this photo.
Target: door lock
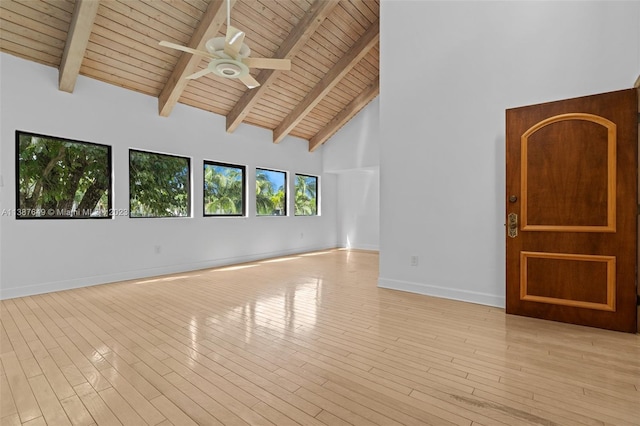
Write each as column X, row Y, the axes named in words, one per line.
column 513, row 225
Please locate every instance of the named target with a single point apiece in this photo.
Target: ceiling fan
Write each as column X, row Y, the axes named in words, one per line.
column 230, row 56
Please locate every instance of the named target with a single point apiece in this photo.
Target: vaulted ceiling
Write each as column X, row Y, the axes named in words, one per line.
column 333, row 46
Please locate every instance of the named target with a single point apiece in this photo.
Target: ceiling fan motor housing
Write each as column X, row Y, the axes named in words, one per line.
column 215, row 46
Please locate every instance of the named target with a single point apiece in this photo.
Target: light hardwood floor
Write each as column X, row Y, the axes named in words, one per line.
column 305, row 339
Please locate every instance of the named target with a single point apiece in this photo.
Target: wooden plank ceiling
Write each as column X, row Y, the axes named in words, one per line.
column 333, row 46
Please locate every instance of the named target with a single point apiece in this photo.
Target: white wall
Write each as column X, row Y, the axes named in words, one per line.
column 354, row 155
column 356, row 145
column 448, row 72
column 359, row 209
column 46, row 255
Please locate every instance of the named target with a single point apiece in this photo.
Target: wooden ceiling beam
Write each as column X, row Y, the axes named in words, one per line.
column 345, row 115
column 77, row 39
column 297, row 39
column 214, row 17
column 361, row 47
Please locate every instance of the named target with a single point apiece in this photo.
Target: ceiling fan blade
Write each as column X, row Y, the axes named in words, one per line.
column 188, row 50
column 198, row 74
column 268, row 63
column 233, row 42
column 249, row 81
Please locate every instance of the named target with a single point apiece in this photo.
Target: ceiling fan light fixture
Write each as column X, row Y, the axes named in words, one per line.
column 228, row 68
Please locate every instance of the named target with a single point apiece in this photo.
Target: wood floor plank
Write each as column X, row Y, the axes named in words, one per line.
column 21, row 392
column 48, row 401
column 21, row 322
column 10, row 420
column 49, row 316
column 306, row 339
column 214, row 373
column 121, row 408
column 96, row 406
column 531, row 409
column 46, row 330
column 131, row 375
column 82, row 362
column 616, row 417
column 171, row 412
column 5, row 342
column 312, row 383
column 275, row 416
column 7, row 404
column 176, row 396
column 40, row 421
column 77, row 412
column 289, row 405
column 398, row 410
column 54, row 375
column 30, row 367
column 332, row 413
column 330, row 419
column 225, row 415
column 19, row 344
column 222, row 395
column 137, row 400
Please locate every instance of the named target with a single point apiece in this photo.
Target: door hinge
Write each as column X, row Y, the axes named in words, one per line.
column 638, row 300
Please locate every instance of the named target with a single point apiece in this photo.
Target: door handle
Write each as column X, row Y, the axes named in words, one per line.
column 513, row 225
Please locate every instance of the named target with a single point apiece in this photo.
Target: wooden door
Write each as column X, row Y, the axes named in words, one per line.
column 571, row 208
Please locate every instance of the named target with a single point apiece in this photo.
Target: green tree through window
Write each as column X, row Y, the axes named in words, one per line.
column 61, row 178
column 158, row 185
column 271, row 193
column 306, row 195
column 224, row 189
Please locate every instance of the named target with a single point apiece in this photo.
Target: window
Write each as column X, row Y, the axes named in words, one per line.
column 158, row 185
column 306, row 195
column 59, row 178
column 224, row 189
column 271, row 193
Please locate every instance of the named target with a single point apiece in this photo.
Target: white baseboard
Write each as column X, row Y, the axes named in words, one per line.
column 48, row 287
column 357, row 246
column 443, row 292
column 368, row 247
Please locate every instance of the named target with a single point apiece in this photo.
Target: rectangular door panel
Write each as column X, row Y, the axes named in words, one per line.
column 579, row 280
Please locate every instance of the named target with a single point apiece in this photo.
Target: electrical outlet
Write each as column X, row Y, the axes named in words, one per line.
column 301, row 235
column 414, row 260
column 157, row 249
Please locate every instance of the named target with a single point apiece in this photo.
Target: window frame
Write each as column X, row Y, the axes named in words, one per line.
column 188, row 189
column 243, row 168
column 295, row 183
column 19, row 208
column 285, row 203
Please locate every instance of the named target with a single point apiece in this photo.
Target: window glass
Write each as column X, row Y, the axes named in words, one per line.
column 306, row 203
column 224, row 189
column 158, row 185
column 271, row 193
column 59, row 178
